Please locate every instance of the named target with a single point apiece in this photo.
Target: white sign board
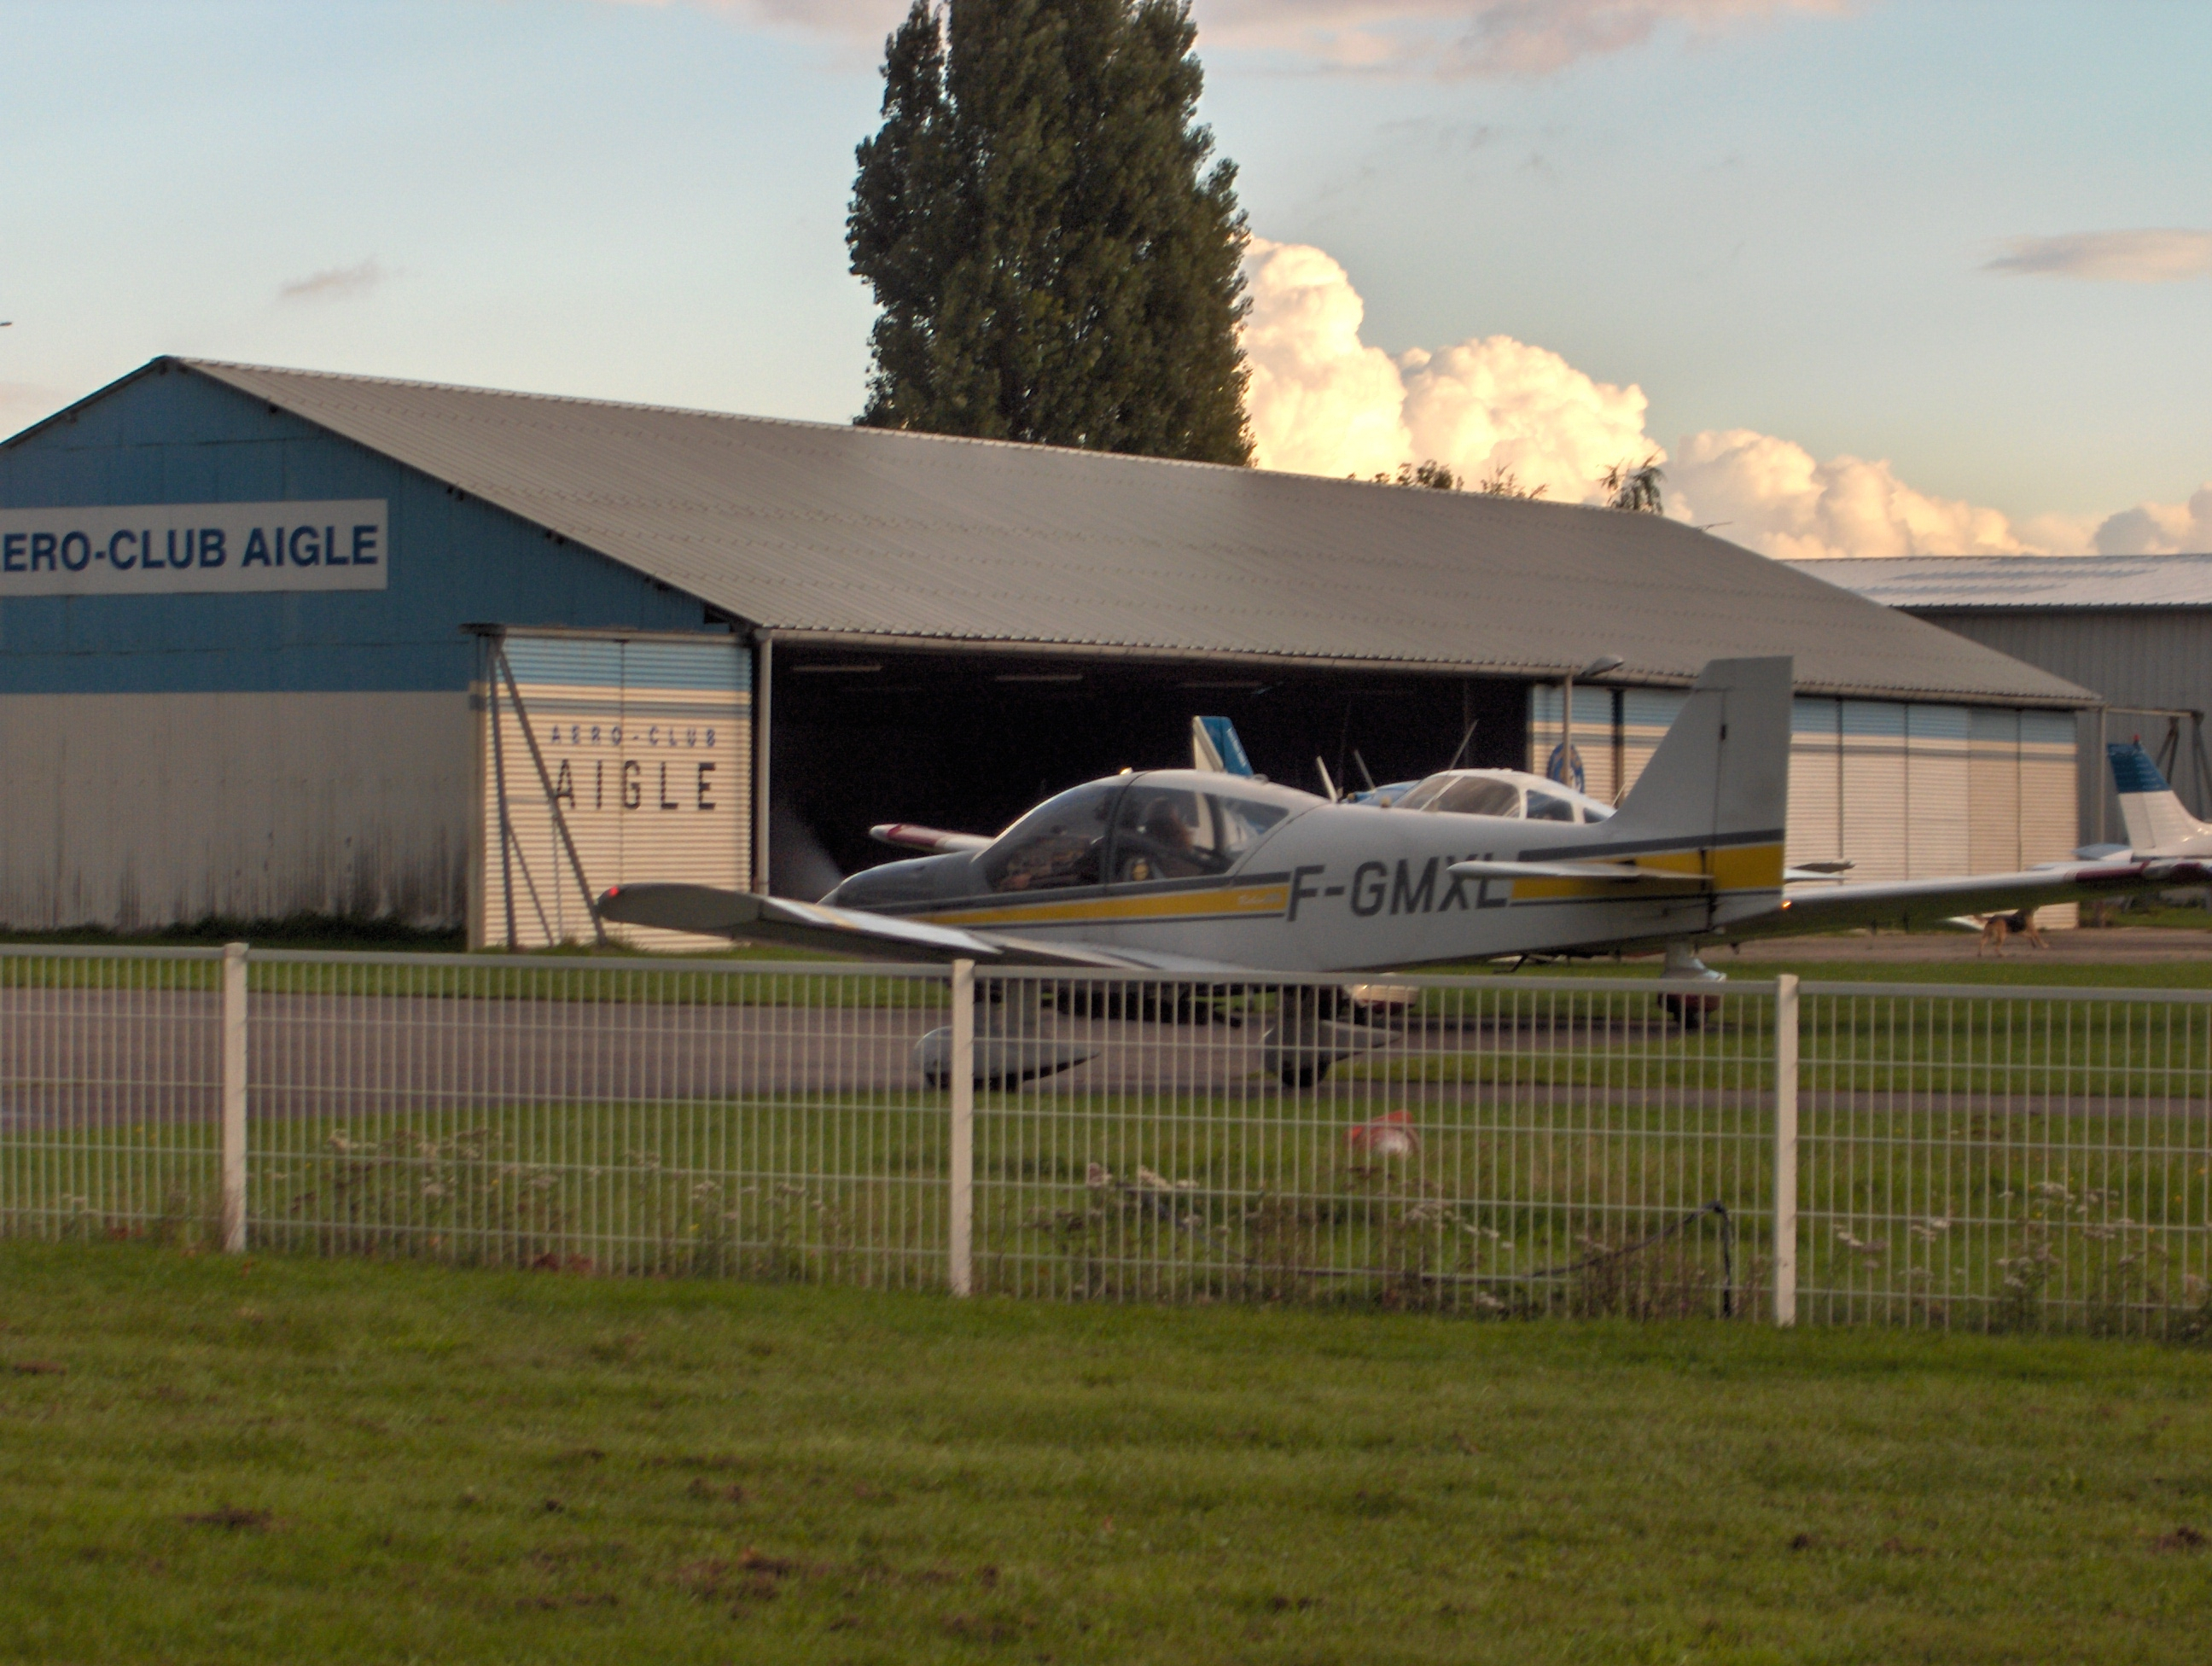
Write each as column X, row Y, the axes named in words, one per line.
column 208, row 548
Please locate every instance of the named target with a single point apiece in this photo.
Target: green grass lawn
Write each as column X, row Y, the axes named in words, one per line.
column 207, row 1461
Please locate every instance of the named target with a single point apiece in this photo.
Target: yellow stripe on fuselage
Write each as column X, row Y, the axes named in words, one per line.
column 1102, row 910
column 1734, row 867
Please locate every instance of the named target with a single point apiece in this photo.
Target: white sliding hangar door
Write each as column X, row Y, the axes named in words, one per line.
column 2049, row 790
column 1815, row 833
column 1938, row 792
column 1875, row 809
column 1993, row 790
column 609, row 760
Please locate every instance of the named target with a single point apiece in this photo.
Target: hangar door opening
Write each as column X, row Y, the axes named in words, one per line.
column 608, row 760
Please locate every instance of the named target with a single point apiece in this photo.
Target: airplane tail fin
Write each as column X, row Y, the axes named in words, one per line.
column 1721, row 776
column 1214, row 745
column 2151, row 810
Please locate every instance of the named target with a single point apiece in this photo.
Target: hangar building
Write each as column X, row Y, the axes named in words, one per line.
column 2135, row 628
column 278, row 643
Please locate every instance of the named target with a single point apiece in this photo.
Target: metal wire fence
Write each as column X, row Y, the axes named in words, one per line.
column 111, row 1093
column 1479, row 1145
column 1492, row 1146
column 2007, row 1160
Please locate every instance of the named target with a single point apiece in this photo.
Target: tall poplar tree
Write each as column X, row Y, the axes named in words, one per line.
column 1054, row 259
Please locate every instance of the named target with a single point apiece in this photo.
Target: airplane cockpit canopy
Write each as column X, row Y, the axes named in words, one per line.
column 1163, row 824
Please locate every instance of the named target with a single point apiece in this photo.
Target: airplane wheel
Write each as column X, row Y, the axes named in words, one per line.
column 1303, row 1075
column 1688, row 1010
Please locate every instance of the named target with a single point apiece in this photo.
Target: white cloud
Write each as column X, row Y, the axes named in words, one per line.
column 1424, row 37
column 1501, row 404
column 2112, row 258
column 2159, row 529
column 2154, row 256
column 335, row 283
column 1322, row 401
column 1773, row 495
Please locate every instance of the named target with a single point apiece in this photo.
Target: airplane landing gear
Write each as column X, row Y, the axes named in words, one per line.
column 1009, row 1047
column 1689, row 1007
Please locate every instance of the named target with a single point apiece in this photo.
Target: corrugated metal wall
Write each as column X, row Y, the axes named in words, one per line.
column 134, row 811
column 646, row 745
column 2152, row 657
column 2140, row 659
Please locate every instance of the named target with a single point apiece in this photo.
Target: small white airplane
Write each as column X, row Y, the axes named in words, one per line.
column 1218, row 879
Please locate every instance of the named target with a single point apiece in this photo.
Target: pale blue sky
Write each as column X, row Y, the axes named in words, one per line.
column 1782, row 224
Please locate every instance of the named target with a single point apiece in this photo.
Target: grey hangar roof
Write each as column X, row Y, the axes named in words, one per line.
column 836, row 534
column 2024, row 582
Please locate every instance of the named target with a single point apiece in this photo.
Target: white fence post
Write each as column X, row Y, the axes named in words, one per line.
column 961, row 1160
column 233, row 1098
column 1785, row 1150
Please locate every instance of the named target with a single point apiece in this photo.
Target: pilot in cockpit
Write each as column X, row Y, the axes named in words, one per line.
column 1164, row 845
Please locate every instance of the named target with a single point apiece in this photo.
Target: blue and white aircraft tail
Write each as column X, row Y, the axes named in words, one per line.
column 2151, row 810
column 1214, row 746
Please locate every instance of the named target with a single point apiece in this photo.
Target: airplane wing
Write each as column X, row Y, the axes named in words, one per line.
column 1482, row 869
column 1919, row 904
column 745, row 917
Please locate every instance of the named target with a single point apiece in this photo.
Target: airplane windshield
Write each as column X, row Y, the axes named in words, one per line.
column 1175, row 833
column 1060, row 843
column 1464, row 795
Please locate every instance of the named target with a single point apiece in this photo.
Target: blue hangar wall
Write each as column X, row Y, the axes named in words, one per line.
column 173, row 754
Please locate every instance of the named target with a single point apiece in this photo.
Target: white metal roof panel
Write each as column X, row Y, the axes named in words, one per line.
column 2022, row 582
